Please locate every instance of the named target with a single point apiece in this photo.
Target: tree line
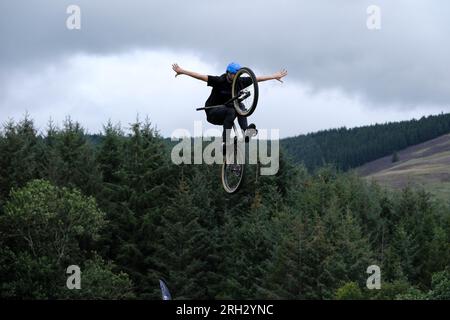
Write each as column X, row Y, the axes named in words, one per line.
column 350, row 148
column 120, row 210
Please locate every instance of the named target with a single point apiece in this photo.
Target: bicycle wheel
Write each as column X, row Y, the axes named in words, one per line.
column 233, row 170
column 245, row 87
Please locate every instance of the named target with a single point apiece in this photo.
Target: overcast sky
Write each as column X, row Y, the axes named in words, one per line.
column 118, row 65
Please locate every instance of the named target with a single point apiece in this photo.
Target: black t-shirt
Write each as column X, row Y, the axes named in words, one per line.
column 221, row 89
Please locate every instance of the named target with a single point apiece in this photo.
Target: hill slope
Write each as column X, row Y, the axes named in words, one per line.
column 351, row 148
column 426, row 164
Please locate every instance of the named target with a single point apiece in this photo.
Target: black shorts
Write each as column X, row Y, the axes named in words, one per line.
column 218, row 115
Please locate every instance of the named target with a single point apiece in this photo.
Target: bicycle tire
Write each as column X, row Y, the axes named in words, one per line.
column 236, row 91
column 225, row 166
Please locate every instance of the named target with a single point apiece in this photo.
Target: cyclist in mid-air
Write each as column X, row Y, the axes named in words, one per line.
column 221, row 93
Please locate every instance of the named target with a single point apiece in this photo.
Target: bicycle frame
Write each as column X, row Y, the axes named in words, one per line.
column 245, row 96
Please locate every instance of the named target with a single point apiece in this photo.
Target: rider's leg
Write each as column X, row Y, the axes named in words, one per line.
column 242, row 122
column 217, row 115
column 228, row 124
column 245, row 126
column 224, row 116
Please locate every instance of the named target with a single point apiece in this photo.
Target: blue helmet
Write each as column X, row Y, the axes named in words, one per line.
column 233, row 67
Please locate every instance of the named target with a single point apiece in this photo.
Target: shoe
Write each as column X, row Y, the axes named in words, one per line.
column 250, row 132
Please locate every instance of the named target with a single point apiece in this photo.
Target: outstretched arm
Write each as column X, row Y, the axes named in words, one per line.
column 276, row 76
column 192, row 74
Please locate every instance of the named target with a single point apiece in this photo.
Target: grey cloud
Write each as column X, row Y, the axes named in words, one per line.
column 324, row 44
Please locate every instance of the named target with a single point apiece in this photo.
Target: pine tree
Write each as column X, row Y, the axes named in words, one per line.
column 110, row 158
column 286, row 276
column 143, row 191
column 181, row 255
column 19, row 161
column 248, row 246
column 203, row 185
column 70, row 159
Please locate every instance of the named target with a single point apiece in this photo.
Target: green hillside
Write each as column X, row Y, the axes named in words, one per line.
column 350, row 148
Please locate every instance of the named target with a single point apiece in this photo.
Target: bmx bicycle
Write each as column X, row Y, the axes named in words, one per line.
column 244, row 93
